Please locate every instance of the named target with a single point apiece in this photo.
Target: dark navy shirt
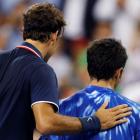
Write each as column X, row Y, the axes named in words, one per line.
column 25, row 80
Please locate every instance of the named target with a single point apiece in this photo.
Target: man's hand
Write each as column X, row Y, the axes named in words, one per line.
column 113, row 116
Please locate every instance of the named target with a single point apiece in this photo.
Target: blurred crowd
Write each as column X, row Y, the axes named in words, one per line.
column 87, row 20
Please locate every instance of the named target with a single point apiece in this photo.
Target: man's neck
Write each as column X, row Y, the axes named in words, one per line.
column 103, row 83
column 40, row 46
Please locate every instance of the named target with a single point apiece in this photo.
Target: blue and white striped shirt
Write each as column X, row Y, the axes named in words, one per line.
column 87, row 101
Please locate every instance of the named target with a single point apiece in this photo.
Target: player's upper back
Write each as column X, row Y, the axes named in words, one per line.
column 16, row 69
column 88, row 100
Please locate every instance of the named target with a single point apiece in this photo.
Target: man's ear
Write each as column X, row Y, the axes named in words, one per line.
column 53, row 36
column 118, row 73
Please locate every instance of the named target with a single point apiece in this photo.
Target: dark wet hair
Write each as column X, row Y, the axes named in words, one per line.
column 104, row 57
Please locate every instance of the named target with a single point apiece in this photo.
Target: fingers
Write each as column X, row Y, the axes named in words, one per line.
column 104, row 105
column 124, row 110
column 112, row 123
column 114, row 116
column 118, row 107
column 120, row 121
column 122, row 115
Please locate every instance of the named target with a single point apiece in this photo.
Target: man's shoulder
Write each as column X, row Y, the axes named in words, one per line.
column 36, row 64
column 121, row 98
column 84, row 96
column 30, row 63
column 71, row 105
column 5, row 58
column 75, row 97
column 4, row 55
column 95, row 98
column 133, row 104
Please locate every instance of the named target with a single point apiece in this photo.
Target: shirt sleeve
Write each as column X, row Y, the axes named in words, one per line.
column 44, row 88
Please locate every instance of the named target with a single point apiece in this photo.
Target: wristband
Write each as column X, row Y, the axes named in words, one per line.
column 91, row 123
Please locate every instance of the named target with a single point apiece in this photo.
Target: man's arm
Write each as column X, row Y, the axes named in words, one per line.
column 49, row 122
column 44, row 98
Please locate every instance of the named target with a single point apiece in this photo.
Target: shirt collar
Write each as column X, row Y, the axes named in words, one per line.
column 32, row 47
column 98, row 88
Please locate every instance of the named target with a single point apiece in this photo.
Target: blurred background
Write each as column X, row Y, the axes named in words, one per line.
column 87, row 20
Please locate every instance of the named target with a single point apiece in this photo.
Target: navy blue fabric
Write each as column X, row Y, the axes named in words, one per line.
column 24, row 80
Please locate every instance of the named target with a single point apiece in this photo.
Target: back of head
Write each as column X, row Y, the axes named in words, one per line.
column 40, row 20
column 104, row 57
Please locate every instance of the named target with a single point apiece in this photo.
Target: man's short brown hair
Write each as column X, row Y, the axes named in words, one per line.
column 40, row 20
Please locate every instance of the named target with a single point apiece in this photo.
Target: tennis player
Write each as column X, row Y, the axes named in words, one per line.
column 106, row 60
